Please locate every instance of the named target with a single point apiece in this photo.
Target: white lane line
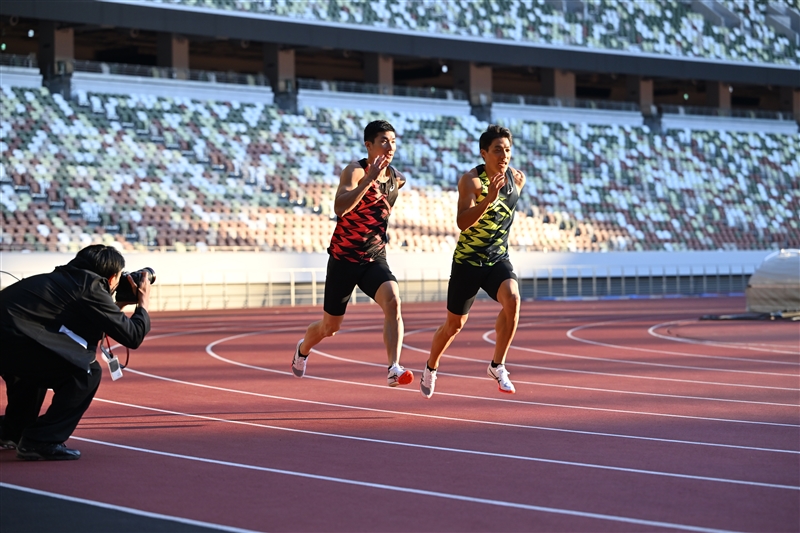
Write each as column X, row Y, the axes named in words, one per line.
column 457, row 450
column 612, row 374
column 210, row 351
column 541, row 428
column 744, row 346
column 609, row 374
column 417, row 492
column 440, row 417
column 595, row 389
column 571, row 335
column 128, row 510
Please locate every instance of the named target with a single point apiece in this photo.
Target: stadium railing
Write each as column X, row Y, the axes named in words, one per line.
column 146, row 71
column 369, row 88
column 720, row 112
column 503, row 98
column 305, row 286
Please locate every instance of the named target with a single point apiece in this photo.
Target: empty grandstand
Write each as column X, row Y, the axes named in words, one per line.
column 110, row 132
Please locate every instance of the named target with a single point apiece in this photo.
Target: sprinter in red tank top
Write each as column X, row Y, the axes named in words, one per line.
column 367, row 191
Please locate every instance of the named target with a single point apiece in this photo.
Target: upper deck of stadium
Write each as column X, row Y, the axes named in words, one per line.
column 729, row 30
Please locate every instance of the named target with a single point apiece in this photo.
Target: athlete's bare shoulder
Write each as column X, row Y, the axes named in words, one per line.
column 471, row 174
column 352, row 173
column 470, row 182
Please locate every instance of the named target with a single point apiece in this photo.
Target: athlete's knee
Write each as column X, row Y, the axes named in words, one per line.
column 510, row 299
column 453, row 325
column 331, row 326
column 391, row 305
column 513, row 302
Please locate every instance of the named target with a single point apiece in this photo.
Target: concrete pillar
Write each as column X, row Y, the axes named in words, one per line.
column 279, row 66
column 56, row 56
column 718, row 94
column 476, row 82
column 640, row 91
column 379, row 70
column 173, row 51
column 790, row 101
column 558, row 83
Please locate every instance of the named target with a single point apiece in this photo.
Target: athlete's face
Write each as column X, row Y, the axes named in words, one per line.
column 498, row 156
column 385, row 144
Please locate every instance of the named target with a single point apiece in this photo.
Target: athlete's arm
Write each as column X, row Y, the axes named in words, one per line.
column 469, row 209
column 353, row 184
column 519, row 178
column 401, row 180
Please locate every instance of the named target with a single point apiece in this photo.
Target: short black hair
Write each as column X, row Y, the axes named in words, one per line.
column 494, row 132
column 103, row 260
column 374, row 128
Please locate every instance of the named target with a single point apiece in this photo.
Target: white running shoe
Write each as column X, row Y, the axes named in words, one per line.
column 399, row 376
column 299, row 362
column 428, row 382
column 500, row 374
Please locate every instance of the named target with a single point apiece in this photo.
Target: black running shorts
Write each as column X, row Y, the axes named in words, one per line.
column 343, row 276
column 465, row 280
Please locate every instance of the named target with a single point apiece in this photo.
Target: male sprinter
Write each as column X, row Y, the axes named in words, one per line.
column 487, row 196
column 367, row 191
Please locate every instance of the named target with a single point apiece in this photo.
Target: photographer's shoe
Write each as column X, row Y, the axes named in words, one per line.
column 500, row 374
column 299, row 361
column 47, row 452
column 7, row 444
column 399, row 376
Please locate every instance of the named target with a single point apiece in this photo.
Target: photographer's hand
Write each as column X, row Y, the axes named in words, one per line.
column 143, row 292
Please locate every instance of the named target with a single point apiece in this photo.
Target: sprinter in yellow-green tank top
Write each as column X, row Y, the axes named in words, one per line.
column 487, row 196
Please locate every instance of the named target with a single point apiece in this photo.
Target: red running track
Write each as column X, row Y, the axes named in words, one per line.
column 629, row 416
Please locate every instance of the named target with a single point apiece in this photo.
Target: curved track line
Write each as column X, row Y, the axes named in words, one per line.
column 748, row 346
column 129, row 510
column 610, row 374
column 447, row 418
column 571, row 335
column 457, row 450
column 210, row 351
column 595, row 389
column 410, row 490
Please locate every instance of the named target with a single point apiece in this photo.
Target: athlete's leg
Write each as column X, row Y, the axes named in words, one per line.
column 339, row 284
column 327, row 327
column 465, row 281
column 443, row 336
column 388, row 298
column 507, row 320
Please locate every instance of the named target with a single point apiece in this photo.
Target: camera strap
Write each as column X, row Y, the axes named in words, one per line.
column 114, row 366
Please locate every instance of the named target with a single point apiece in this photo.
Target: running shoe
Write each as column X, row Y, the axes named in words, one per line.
column 7, row 444
column 428, row 382
column 299, row 362
column 500, row 374
column 399, row 376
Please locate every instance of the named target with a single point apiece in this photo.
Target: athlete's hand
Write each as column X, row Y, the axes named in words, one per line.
column 375, row 168
column 496, row 183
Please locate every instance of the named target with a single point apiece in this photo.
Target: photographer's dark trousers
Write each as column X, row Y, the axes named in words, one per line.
column 29, row 370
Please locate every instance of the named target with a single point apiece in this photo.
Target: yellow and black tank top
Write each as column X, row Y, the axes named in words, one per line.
column 486, row 242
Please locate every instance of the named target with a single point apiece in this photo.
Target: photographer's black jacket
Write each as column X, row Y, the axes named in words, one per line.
column 79, row 300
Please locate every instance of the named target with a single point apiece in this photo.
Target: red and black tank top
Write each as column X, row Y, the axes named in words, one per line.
column 360, row 235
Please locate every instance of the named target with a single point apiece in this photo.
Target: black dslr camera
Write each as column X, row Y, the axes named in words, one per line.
column 125, row 293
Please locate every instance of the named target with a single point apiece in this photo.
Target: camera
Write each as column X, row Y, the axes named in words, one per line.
column 125, row 293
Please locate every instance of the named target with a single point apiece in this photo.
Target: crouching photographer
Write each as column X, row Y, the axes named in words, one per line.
column 51, row 325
